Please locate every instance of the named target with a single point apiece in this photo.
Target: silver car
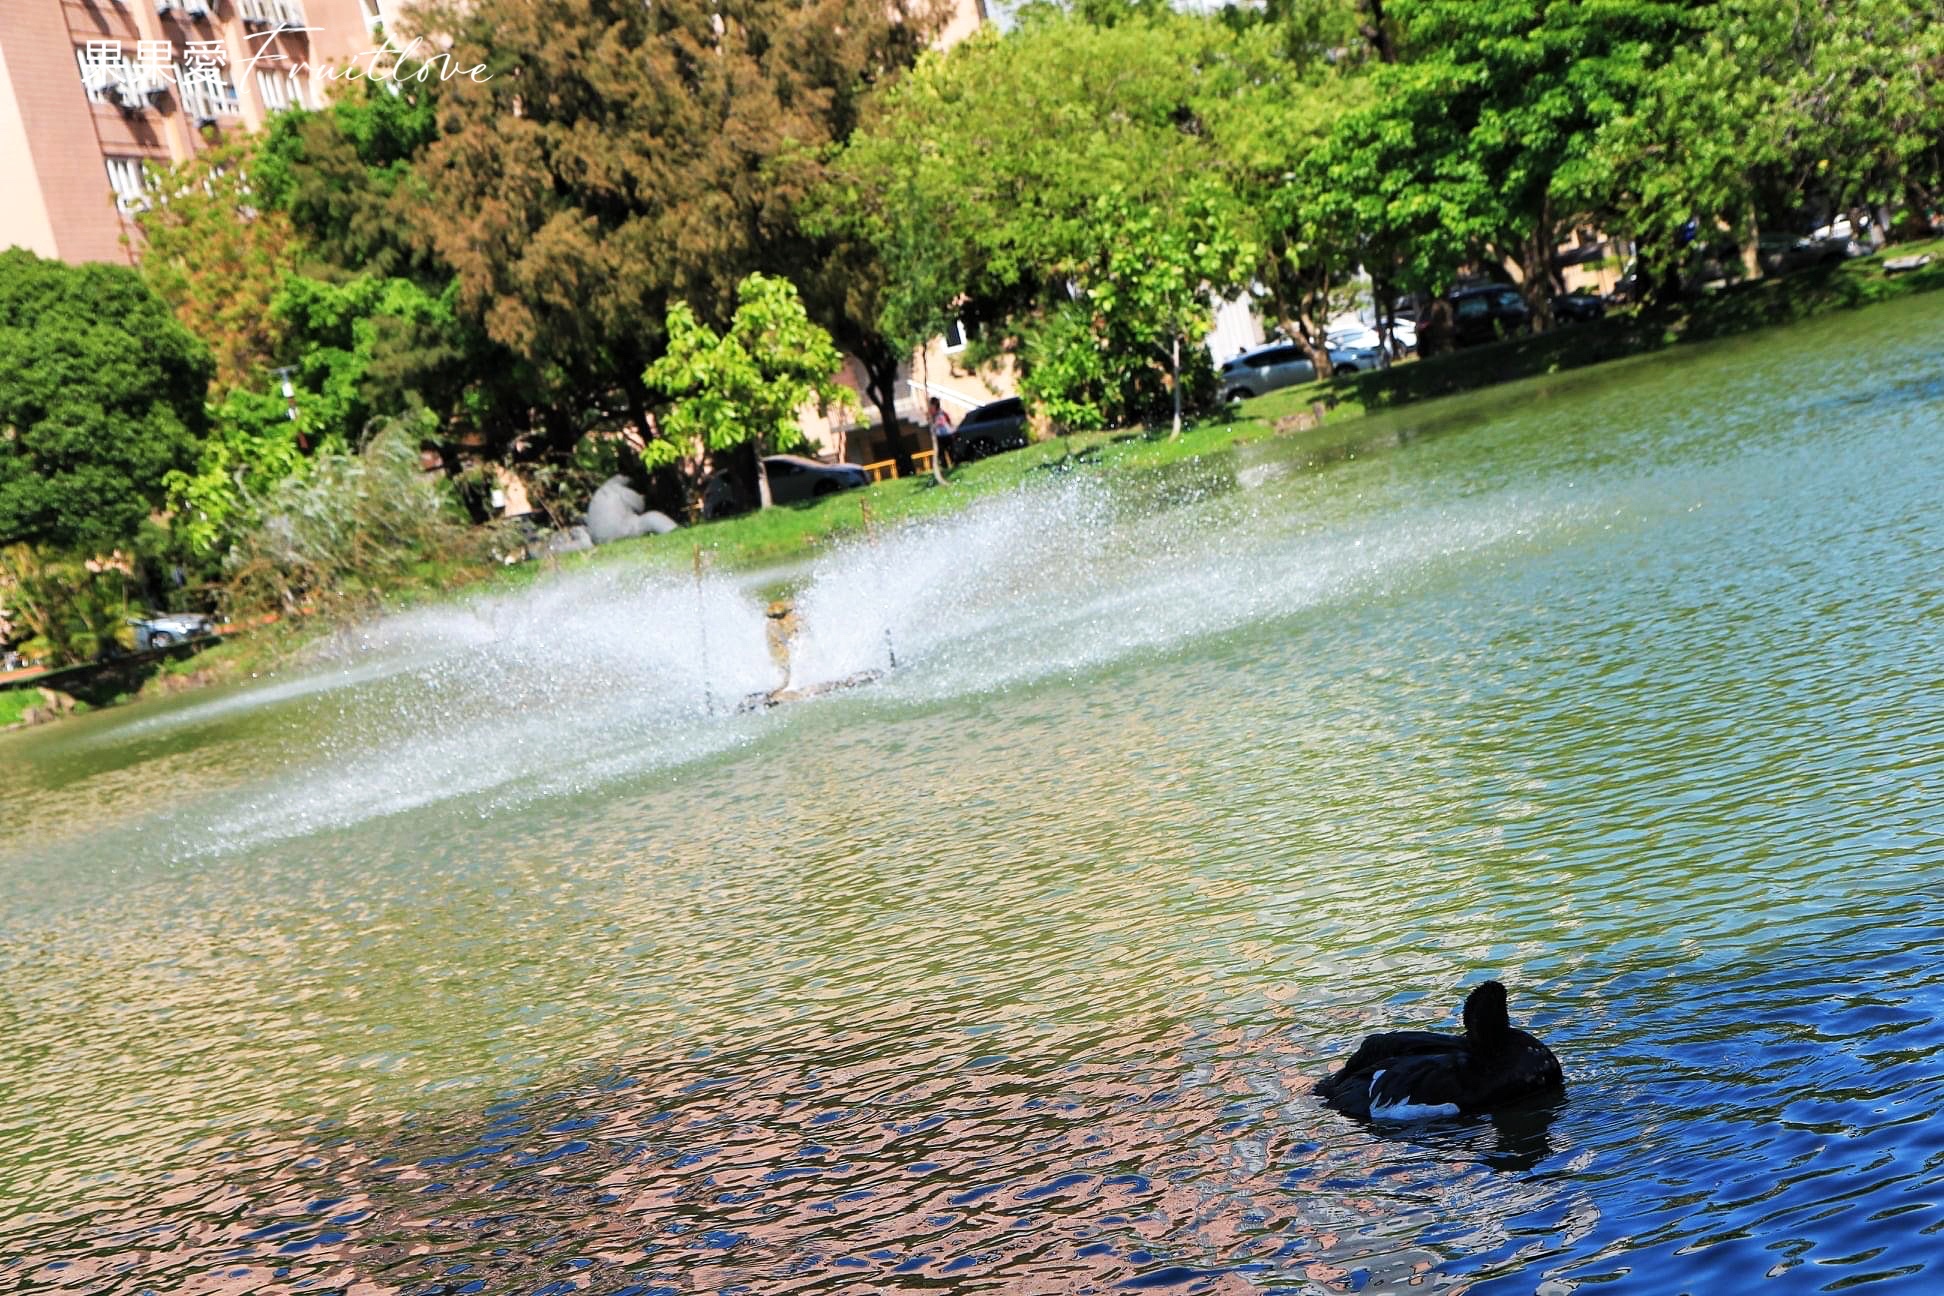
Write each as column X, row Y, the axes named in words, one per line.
column 1264, row 369
column 793, row 478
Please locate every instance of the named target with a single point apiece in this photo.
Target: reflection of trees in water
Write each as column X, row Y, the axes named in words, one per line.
column 1072, row 1162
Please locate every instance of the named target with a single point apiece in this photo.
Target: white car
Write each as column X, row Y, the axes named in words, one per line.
column 793, row 478
column 1267, row 368
column 1357, row 334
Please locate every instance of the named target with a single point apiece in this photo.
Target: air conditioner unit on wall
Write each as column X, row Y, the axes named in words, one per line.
column 136, row 89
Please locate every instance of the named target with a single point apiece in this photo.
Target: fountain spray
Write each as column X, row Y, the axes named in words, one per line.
column 702, row 632
column 870, row 533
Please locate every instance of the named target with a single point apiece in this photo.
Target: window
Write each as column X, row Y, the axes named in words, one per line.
column 131, row 186
column 203, row 103
column 101, row 69
column 271, row 13
column 955, row 335
column 282, row 90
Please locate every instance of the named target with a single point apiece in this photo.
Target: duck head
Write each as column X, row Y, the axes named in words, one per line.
column 1485, row 1019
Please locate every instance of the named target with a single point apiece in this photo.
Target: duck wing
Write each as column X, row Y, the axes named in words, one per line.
column 1421, row 1086
column 1416, row 1085
column 1350, row 1083
column 1376, row 1050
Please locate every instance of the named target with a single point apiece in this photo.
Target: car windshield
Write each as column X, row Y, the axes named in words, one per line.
column 991, row 413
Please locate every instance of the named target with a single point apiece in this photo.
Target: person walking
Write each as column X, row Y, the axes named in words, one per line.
column 943, row 437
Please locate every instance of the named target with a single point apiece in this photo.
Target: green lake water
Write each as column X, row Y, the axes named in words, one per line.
column 495, row 952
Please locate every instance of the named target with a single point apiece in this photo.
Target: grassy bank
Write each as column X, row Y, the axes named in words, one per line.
column 15, row 703
column 795, row 532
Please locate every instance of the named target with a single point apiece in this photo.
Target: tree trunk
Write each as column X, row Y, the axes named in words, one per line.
column 637, row 394
column 1535, row 268
column 1176, row 357
column 1751, row 250
column 762, row 474
column 1377, row 32
column 1302, row 330
column 1293, row 308
column 1384, row 301
column 881, row 385
column 1434, row 331
column 1916, row 216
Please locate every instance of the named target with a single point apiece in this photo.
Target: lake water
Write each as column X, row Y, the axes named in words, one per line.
column 495, row 953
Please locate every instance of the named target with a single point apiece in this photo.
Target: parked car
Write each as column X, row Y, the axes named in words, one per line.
column 1276, row 365
column 991, row 429
column 1783, row 254
column 1359, row 336
column 1486, row 314
column 1578, row 307
column 165, row 631
column 793, row 478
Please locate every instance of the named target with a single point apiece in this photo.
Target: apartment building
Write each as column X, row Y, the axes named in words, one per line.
column 90, row 90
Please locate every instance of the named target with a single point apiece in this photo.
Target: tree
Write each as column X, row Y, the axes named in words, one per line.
column 1479, row 142
column 623, row 158
column 745, row 385
column 217, row 255
column 347, row 178
column 73, row 609
column 1152, row 271
column 916, row 288
column 1772, row 110
column 1046, row 162
column 101, row 396
column 1270, row 113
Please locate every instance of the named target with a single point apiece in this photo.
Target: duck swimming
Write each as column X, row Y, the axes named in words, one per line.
column 1420, row 1075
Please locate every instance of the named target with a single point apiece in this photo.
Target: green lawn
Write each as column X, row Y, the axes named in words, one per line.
column 796, row 531
column 14, row 703
column 793, row 532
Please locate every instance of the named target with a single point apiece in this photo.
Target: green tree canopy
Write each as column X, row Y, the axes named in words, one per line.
column 217, row 253
column 1480, row 142
column 101, row 396
column 743, row 385
column 1771, row 108
column 623, row 158
column 1049, row 162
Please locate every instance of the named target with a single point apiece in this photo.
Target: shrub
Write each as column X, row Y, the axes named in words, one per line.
column 353, row 526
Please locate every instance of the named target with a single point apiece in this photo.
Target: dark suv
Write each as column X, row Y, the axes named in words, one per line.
column 1487, row 314
column 991, row 428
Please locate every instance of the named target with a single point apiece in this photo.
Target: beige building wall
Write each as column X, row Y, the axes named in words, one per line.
column 24, row 221
column 68, row 149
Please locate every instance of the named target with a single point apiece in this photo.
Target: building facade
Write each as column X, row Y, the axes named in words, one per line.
column 91, row 91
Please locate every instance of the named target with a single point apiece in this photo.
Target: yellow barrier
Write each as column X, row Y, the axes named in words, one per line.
column 887, row 469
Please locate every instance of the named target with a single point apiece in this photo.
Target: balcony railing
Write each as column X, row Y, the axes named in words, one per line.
column 203, row 103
